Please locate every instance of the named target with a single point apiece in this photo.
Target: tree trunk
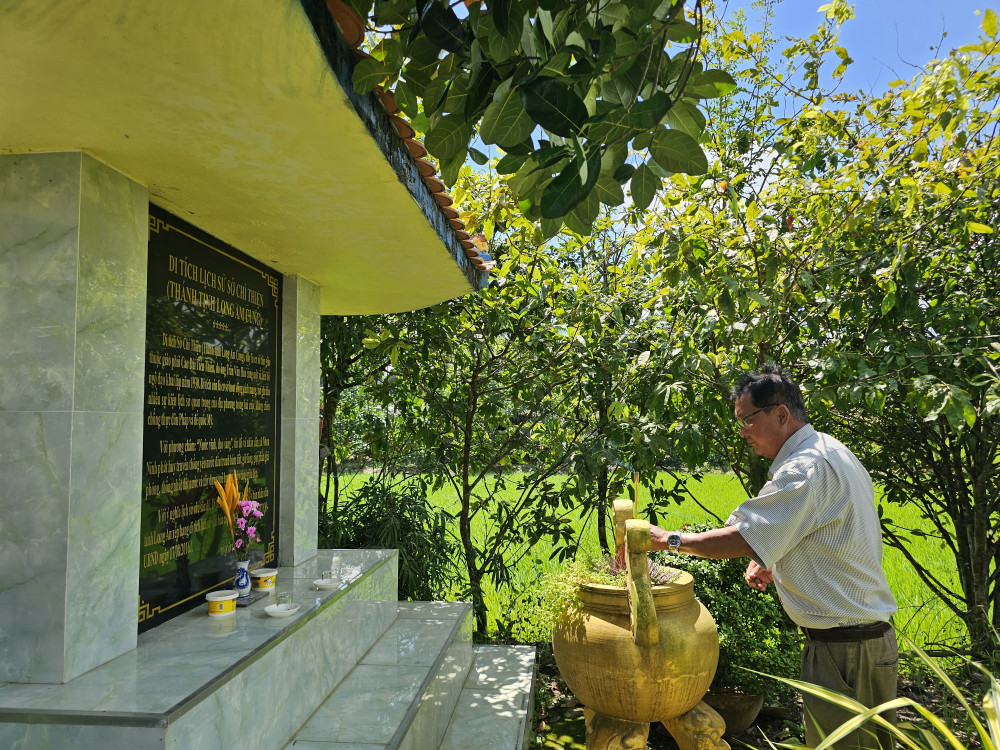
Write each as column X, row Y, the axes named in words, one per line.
column 471, row 567
column 602, row 508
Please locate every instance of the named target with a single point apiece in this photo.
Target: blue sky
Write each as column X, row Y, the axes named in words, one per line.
column 887, row 37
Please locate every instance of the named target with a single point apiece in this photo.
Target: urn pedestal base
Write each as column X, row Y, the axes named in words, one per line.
column 701, row 728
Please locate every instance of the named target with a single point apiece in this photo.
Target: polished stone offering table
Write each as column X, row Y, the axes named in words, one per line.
column 247, row 681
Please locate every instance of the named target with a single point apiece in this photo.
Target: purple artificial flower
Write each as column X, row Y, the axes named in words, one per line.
column 238, row 544
column 241, row 523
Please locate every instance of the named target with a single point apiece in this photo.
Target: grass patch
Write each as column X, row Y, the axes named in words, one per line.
column 922, row 617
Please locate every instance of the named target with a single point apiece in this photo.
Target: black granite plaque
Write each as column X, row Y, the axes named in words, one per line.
column 212, row 397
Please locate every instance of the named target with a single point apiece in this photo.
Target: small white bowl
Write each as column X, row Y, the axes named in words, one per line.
column 328, row 583
column 281, row 610
column 221, row 603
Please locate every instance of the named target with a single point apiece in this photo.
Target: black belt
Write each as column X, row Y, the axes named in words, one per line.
column 848, row 632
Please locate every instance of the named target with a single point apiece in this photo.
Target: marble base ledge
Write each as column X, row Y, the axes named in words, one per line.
column 189, row 682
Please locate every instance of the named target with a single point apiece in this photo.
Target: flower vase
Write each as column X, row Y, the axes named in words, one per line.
column 242, row 584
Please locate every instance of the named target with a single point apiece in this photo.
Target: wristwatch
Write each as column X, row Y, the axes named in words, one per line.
column 674, row 541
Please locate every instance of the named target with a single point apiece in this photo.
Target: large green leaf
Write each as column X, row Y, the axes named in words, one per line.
column 644, row 186
column 686, row 117
column 615, row 125
column 484, row 78
column 368, row 74
column 678, row 152
column 451, row 167
column 647, row 114
column 448, row 137
column 608, row 191
column 614, row 14
column 572, row 185
column 406, row 99
column 501, row 12
column 505, row 121
column 499, row 47
column 554, row 106
column 581, row 219
column 443, row 27
column 550, row 227
column 392, row 12
column 682, row 32
column 618, row 89
column 710, row 84
column 510, row 163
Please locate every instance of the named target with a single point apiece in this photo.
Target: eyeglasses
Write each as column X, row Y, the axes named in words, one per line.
column 741, row 422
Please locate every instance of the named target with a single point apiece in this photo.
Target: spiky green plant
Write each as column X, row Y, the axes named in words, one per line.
column 930, row 731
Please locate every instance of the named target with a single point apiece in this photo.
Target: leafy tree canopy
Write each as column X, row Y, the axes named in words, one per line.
column 581, row 96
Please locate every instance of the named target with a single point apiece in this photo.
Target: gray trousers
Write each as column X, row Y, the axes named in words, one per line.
column 863, row 670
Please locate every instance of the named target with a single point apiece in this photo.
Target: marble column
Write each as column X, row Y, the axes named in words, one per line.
column 300, row 397
column 73, row 236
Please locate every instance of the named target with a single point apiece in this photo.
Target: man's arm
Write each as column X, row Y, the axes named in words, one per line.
column 717, row 544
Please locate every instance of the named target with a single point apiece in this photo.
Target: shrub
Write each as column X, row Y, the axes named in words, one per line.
column 380, row 515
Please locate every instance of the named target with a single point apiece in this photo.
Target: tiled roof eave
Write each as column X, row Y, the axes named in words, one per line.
column 341, row 58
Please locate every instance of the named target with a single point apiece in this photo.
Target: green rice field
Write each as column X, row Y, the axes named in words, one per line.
column 921, row 616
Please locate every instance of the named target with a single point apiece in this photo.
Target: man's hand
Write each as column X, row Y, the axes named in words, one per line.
column 758, row 576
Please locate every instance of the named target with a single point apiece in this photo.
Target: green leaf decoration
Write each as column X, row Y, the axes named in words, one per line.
column 644, row 186
column 368, row 74
column 448, row 137
column 678, row 152
column 442, row 27
column 687, row 118
column 710, row 84
column 554, row 106
column 506, row 122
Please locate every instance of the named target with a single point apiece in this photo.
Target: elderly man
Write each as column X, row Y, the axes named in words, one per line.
column 814, row 532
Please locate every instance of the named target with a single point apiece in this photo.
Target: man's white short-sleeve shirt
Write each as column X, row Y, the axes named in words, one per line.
column 814, row 524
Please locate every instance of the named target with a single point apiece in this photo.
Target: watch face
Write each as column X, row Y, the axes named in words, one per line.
column 674, row 541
